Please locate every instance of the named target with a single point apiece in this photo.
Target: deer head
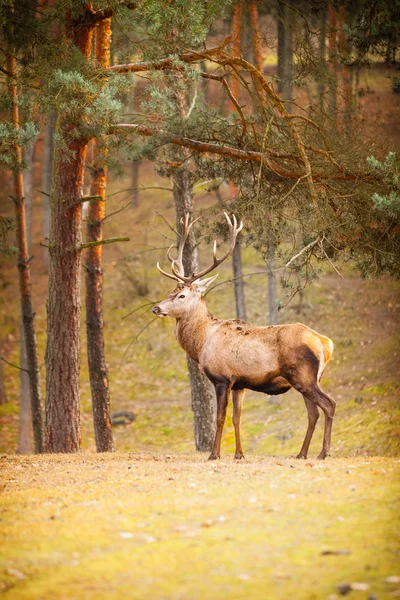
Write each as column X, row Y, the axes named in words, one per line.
column 191, row 287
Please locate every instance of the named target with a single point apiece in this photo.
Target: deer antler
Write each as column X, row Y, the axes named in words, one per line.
column 178, row 273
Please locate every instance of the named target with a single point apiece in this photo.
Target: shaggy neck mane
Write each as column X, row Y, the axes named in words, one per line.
column 191, row 329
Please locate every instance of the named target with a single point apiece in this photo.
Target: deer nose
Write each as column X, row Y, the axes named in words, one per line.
column 156, row 310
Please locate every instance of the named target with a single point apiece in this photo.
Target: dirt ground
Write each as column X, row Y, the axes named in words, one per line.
column 176, row 526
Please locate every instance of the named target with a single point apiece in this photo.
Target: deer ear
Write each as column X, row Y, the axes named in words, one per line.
column 202, row 284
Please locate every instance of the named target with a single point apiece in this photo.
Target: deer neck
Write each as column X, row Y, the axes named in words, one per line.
column 191, row 329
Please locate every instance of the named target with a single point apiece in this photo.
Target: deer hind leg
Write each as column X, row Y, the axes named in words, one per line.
column 237, row 396
column 313, row 416
column 222, row 391
column 328, row 406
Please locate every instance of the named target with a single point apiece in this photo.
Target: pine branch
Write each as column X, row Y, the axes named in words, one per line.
column 104, row 242
column 164, row 63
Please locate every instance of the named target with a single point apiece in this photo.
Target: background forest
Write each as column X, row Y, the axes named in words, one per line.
column 117, row 118
column 286, row 114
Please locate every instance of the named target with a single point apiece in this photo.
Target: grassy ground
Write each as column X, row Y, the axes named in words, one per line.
column 178, row 527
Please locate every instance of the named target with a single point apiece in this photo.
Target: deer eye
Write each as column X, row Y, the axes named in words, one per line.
column 182, row 296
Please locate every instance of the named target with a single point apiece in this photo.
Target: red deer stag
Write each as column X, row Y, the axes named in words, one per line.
column 236, row 355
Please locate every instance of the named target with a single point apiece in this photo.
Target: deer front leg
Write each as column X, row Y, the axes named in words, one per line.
column 222, row 392
column 237, row 397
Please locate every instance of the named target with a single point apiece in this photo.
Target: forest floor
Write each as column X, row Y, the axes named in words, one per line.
column 175, row 526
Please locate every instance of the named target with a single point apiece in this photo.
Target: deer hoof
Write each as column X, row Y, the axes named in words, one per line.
column 303, row 456
column 239, row 455
column 322, row 455
column 213, row 456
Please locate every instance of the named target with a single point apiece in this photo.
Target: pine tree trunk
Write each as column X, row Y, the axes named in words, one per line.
column 94, row 274
column 25, row 436
column 272, row 303
column 238, row 282
column 47, row 178
column 28, row 191
column 28, row 316
column 135, row 183
column 202, row 391
column 322, row 57
column 237, row 255
column 256, row 35
column 25, row 432
column 3, row 394
column 285, row 51
column 63, row 429
column 332, row 103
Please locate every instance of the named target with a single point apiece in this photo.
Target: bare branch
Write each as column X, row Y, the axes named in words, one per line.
column 104, row 242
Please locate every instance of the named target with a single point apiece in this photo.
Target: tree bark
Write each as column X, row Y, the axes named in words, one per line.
column 332, row 33
column 28, row 191
column 272, row 304
column 25, row 433
column 63, row 429
column 285, row 52
column 47, row 178
column 94, row 274
column 3, row 393
column 322, row 58
column 28, row 316
column 202, row 391
column 135, row 182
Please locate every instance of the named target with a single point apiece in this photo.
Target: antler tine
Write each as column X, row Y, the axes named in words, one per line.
column 233, row 230
column 178, row 273
column 170, row 275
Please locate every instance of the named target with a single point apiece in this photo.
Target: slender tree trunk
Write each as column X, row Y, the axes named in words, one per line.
column 28, row 316
column 272, row 303
column 345, row 72
column 256, row 35
column 236, row 255
column 322, row 58
column 135, row 182
column 238, row 282
column 47, row 177
column 63, row 429
column 94, row 274
column 332, row 103
column 3, row 394
column 285, row 51
column 28, row 190
column 202, row 391
column 25, row 432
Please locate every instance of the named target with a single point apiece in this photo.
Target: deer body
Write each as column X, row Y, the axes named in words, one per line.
column 236, row 356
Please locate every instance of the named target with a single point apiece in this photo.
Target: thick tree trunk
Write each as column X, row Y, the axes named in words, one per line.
column 47, row 178
column 202, row 391
column 63, row 429
column 28, row 316
column 238, row 282
column 94, row 274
